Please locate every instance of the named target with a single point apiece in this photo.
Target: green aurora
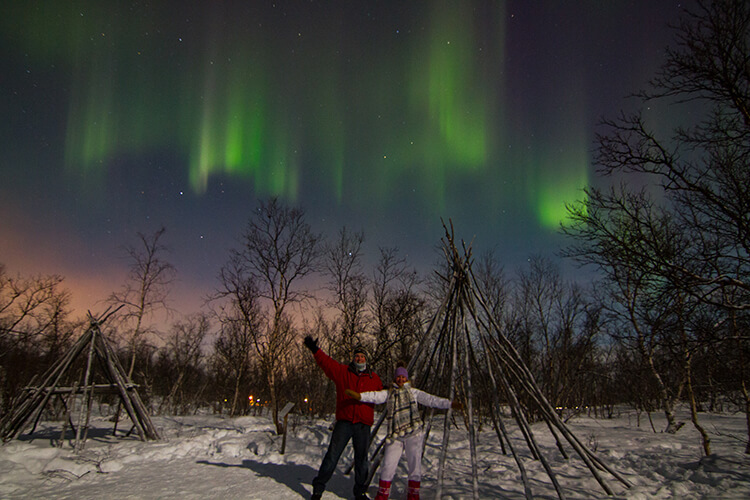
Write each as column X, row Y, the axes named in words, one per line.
column 362, row 109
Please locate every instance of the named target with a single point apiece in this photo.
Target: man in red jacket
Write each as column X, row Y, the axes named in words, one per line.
column 353, row 418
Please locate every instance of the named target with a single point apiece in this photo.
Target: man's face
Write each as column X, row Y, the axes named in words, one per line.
column 360, row 358
column 400, row 380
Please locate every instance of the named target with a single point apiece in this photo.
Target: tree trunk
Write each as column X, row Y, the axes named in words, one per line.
column 274, row 401
column 667, row 402
column 706, row 440
column 235, row 399
column 747, row 415
column 170, row 399
column 694, row 416
column 134, row 342
column 740, row 351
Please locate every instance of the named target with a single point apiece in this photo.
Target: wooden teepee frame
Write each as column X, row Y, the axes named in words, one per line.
column 32, row 403
column 464, row 334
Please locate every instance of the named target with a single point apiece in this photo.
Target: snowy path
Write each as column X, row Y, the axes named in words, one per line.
column 212, row 457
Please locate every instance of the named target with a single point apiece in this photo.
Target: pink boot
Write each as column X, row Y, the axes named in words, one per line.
column 384, row 489
column 413, row 493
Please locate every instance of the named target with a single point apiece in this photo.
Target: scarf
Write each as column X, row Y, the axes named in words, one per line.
column 402, row 412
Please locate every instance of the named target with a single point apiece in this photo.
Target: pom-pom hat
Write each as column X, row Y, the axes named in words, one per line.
column 361, row 349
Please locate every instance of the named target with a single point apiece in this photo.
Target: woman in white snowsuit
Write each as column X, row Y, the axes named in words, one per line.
column 404, row 429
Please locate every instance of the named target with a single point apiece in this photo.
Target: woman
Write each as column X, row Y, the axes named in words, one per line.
column 404, row 429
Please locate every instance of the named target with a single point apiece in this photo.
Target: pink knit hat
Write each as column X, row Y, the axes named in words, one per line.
column 402, row 371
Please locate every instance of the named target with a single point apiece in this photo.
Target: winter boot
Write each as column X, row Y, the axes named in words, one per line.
column 413, row 493
column 384, row 490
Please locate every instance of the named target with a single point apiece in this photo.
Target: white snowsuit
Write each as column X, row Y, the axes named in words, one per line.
column 411, row 442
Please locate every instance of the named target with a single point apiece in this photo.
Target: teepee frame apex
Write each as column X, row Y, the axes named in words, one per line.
column 462, row 340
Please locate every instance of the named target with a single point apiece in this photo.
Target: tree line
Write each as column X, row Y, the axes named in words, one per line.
column 662, row 322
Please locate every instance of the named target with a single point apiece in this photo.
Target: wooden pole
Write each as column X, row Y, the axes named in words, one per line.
column 500, row 428
column 32, row 404
column 447, row 424
column 285, row 414
column 283, row 439
column 86, row 403
column 470, row 409
column 68, row 414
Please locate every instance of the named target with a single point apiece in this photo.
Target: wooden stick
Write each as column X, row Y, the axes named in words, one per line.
column 446, row 425
column 87, row 394
column 468, row 390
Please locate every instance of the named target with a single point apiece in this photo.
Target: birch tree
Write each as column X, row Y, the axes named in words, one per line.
column 34, row 328
column 688, row 229
column 398, row 308
column 348, row 284
column 278, row 250
column 145, row 293
column 183, row 351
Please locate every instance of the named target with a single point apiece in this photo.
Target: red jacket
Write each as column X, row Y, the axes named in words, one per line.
column 345, row 377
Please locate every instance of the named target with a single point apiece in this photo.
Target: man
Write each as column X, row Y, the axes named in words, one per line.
column 353, row 418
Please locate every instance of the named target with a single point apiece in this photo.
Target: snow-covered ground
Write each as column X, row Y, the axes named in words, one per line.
column 213, row 457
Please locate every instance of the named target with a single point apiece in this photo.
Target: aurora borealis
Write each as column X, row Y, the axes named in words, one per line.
column 121, row 116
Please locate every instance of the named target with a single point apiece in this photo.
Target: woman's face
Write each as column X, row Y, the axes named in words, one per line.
column 401, row 380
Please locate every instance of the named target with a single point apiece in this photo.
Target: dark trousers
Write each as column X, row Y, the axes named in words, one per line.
column 359, row 433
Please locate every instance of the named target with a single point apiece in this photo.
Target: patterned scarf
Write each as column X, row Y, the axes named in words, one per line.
column 402, row 412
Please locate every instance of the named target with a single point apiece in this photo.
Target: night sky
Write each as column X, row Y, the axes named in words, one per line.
column 121, row 117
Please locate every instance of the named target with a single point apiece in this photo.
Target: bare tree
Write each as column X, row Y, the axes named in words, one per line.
column 539, row 288
column 626, row 237
column 34, row 328
column 314, row 394
column 558, row 330
column 348, row 283
column 146, row 290
column 397, row 307
column 184, row 351
column 278, row 251
column 703, row 169
column 233, row 349
column 29, row 306
column 688, row 234
column 491, row 280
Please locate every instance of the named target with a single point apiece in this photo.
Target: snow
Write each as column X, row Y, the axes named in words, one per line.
column 208, row 456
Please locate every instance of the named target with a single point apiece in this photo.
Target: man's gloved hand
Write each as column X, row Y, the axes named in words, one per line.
column 352, row 394
column 311, row 344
